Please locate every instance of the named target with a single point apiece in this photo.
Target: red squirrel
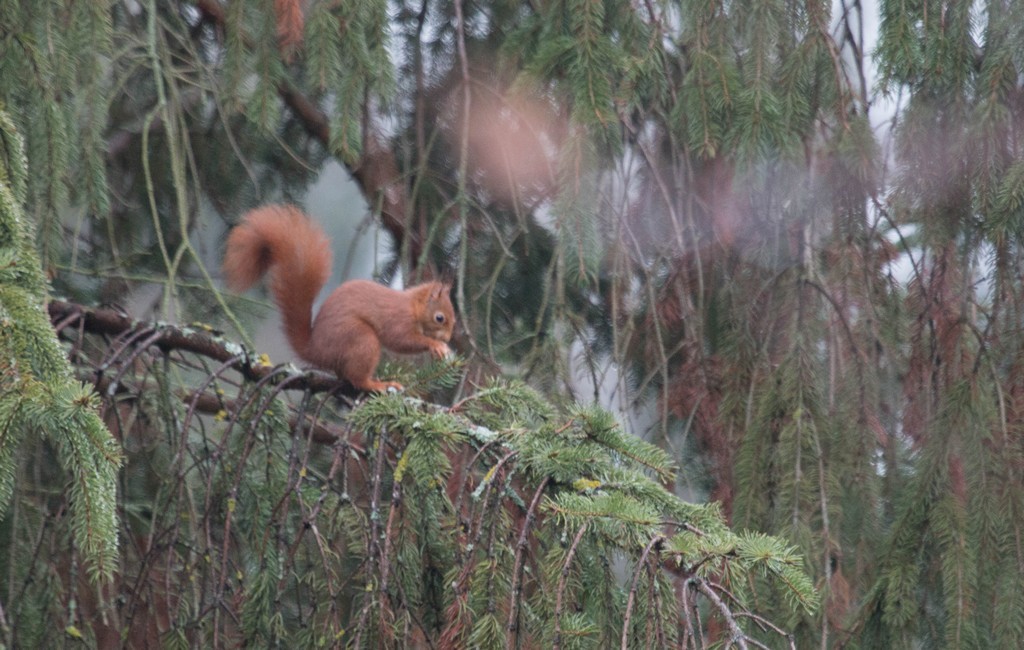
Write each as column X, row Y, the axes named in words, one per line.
column 357, row 319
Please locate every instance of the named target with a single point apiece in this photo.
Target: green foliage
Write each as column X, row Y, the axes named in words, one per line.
column 38, row 396
column 64, row 143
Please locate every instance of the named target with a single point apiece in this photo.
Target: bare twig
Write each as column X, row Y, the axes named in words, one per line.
column 562, row 580
column 737, row 636
column 517, row 566
column 641, row 563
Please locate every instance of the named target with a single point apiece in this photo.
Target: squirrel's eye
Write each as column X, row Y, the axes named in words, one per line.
column 439, row 317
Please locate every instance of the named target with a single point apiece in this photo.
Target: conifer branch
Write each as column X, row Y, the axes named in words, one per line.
column 615, row 500
column 620, row 499
column 736, row 634
column 38, row 394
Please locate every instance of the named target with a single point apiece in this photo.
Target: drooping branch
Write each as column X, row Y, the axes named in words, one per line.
column 377, row 172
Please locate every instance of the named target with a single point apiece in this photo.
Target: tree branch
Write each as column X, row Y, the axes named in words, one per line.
column 111, row 322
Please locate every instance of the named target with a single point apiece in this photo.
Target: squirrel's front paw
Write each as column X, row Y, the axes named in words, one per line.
column 441, row 350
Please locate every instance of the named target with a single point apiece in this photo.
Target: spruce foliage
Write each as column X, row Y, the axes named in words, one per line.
column 38, row 396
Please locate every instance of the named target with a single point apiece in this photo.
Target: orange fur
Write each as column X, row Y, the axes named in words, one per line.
column 358, row 318
column 290, row 26
column 283, row 241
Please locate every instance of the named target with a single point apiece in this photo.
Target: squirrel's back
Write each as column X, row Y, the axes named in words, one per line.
column 282, row 241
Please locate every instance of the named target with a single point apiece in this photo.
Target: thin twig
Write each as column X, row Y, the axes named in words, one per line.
column 736, row 634
column 641, row 563
column 517, row 566
column 562, row 580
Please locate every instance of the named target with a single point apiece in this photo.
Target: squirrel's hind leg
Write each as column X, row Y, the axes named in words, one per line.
column 358, row 361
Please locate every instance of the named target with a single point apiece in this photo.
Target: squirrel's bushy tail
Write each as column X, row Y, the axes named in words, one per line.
column 282, row 241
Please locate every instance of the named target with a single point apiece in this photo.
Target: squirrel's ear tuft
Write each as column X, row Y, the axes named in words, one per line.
column 447, row 278
column 440, row 290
